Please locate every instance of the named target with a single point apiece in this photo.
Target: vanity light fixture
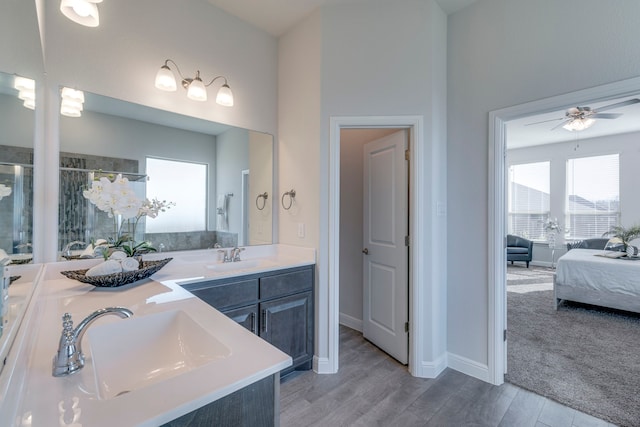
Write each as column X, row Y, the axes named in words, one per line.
column 83, row 12
column 579, row 124
column 26, row 91
column 71, row 104
column 196, row 88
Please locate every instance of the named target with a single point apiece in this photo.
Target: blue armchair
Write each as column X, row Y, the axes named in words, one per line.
column 519, row 249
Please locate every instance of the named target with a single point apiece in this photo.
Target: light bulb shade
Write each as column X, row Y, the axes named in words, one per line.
column 69, row 111
column 24, row 84
column 579, row 124
column 68, row 93
column 225, row 96
column 30, row 104
column 72, row 104
column 83, row 12
column 26, row 95
column 197, row 91
column 165, row 80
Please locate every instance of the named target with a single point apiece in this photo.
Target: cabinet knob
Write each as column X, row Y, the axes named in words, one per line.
column 365, row 251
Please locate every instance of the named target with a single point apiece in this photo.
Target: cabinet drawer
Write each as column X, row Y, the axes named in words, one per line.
column 232, row 294
column 287, row 283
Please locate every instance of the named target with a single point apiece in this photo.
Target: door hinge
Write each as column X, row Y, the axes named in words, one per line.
column 406, row 326
column 407, row 240
column 407, row 154
column 505, row 335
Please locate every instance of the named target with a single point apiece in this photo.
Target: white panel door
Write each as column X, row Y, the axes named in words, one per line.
column 385, row 255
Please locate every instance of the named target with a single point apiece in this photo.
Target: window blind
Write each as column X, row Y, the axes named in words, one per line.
column 529, row 188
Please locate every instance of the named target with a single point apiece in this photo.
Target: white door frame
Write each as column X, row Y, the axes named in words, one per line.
column 497, row 201
column 417, row 275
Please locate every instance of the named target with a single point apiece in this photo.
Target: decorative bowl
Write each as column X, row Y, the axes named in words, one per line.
column 118, row 279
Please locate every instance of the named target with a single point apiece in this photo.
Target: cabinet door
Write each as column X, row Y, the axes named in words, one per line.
column 246, row 316
column 287, row 323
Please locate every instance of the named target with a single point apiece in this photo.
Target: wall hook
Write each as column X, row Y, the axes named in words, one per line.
column 292, row 196
column 264, row 196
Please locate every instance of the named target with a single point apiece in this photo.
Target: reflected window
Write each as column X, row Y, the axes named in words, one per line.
column 183, row 183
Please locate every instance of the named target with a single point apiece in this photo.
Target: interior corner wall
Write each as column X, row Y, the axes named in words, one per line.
column 503, row 53
column 383, row 59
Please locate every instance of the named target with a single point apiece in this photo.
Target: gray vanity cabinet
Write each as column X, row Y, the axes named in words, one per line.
column 277, row 305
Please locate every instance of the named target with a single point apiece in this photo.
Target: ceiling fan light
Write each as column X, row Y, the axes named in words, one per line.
column 225, row 96
column 165, row 80
column 83, row 12
column 579, row 124
column 197, row 91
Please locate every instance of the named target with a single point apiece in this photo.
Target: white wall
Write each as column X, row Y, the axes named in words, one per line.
column 361, row 59
column 20, row 50
column 503, row 53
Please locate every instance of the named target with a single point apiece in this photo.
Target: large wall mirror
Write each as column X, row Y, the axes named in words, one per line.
column 217, row 178
column 17, row 95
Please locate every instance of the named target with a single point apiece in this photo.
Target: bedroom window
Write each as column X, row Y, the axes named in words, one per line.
column 593, row 195
column 529, row 188
column 185, row 184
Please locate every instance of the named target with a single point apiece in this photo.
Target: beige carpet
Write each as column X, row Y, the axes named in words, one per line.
column 582, row 356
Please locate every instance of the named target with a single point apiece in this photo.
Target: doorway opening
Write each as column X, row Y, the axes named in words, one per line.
column 498, row 202
column 420, row 283
column 374, row 220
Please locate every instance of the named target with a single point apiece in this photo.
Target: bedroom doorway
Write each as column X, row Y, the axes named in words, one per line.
column 498, row 200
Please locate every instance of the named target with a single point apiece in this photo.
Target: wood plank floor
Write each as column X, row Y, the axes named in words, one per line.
column 372, row 389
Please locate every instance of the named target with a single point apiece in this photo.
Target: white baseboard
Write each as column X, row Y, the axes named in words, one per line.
column 351, row 322
column 430, row 369
column 469, row 367
column 321, row 365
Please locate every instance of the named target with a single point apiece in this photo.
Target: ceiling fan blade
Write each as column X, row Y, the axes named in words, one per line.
column 618, row 104
column 545, row 121
column 605, row 115
column 561, row 124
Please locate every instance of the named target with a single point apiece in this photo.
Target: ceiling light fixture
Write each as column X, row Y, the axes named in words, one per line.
column 579, row 124
column 26, row 91
column 83, row 12
column 72, row 102
column 196, row 88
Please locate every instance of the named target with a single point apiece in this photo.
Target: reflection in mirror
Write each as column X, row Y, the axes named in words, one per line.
column 17, row 100
column 207, row 175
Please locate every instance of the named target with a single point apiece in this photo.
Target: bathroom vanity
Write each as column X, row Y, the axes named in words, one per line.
column 180, row 360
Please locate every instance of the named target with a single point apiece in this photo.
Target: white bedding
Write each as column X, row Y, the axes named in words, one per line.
column 582, row 269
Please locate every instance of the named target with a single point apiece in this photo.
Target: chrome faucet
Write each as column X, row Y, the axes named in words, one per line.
column 69, row 358
column 235, row 254
column 225, row 255
column 66, row 251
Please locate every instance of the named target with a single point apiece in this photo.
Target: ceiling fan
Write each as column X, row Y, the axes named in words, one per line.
column 581, row 118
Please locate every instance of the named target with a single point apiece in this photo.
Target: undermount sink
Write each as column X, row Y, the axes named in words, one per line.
column 133, row 353
column 239, row 265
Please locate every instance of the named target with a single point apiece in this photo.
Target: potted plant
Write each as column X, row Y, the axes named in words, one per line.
column 624, row 234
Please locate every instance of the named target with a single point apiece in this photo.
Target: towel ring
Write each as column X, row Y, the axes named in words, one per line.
column 292, row 196
column 264, row 196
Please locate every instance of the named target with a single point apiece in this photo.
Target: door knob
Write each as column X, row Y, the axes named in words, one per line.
column 365, row 251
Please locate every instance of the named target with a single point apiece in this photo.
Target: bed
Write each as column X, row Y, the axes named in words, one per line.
column 583, row 275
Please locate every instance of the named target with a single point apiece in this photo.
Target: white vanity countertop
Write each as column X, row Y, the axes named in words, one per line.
column 36, row 398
